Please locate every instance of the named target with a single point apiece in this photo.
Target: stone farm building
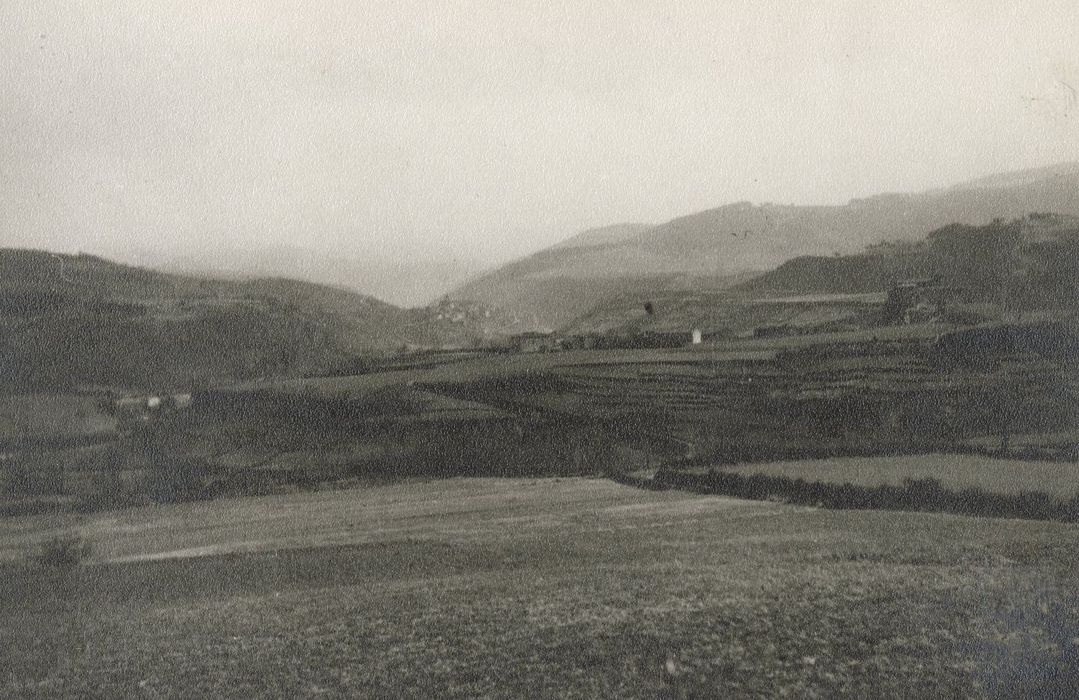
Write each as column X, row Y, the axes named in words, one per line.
column 918, row 301
column 534, row 341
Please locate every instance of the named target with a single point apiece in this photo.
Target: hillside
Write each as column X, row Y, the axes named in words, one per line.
column 67, row 321
column 558, row 284
column 1033, row 261
column 845, row 274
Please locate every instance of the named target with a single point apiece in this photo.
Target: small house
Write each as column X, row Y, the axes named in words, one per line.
column 662, row 339
column 585, row 341
column 919, row 301
column 180, row 401
column 533, row 341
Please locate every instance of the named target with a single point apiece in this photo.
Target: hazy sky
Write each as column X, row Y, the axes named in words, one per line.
column 490, row 129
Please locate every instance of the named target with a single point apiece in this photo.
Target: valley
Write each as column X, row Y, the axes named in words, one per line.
column 691, row 483
column 539, row 350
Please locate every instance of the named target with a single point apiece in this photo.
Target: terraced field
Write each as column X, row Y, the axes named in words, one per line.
column 760, row 399
column 539, row 588
column 580, row 412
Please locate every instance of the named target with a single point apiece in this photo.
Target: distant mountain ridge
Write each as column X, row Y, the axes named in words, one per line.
column 560, row 283
column 1020, row 177
column 412, row 283
column 604, row 235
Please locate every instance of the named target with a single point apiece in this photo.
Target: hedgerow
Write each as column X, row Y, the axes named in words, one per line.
column 914, row 495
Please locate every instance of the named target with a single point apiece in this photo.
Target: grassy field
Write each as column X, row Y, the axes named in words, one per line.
column 569, row 588
column 51, row 418
column 955, row 471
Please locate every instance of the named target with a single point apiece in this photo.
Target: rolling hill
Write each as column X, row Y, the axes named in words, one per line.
column 69, row 321
column 1030, row 263
column 1032, row 260
column 556, row 285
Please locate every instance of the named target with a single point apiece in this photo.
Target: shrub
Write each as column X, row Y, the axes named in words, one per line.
column 63, row 553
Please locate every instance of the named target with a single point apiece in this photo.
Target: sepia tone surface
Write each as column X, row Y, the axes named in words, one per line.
column 624, row 350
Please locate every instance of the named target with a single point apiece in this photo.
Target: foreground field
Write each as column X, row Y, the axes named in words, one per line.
column 572, row 587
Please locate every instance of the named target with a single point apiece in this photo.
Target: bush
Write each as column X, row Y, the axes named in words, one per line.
column 63, row 553
column 179, row 479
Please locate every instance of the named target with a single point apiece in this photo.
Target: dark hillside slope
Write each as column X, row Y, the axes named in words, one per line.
column 1031, row 262
column 846, row 274
column 67, row 321
column 740, row 237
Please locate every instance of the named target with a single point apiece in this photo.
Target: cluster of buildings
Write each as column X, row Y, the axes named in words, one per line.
column 920, row 301
column 71, row 445
column 535, row 341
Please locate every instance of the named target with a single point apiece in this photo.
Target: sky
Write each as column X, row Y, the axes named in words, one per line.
column 484, row 130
